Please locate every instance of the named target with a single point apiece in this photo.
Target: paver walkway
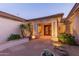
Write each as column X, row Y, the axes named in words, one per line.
column 32, row 48
column 72, row 50
column 35, row 47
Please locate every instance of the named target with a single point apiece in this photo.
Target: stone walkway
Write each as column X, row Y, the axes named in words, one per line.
column 72, row 50
column 32, row 48
column 35, row 47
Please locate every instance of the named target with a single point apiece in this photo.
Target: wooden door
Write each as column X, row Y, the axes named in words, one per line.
column 47, row 30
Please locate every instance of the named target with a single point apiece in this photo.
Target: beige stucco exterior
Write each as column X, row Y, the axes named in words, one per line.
column 55, row 23
column 8, row 27
column 73, row 26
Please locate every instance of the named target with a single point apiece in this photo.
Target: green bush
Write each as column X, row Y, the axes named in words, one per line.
column 67, row 38
column 14, row 37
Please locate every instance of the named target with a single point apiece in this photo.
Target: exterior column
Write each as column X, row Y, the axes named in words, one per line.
column 54, row 30
column 35, row 29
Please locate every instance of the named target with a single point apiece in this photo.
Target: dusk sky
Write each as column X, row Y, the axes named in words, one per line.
column 35, row 10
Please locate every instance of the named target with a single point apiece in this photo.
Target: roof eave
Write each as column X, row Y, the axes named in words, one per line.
column 54, row 16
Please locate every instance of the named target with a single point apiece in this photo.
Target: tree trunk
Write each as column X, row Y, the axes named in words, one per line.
column 22, row 33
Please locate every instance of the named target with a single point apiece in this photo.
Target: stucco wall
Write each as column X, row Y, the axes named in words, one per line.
column 76, row 27
column 45, row 22
column 8, row 27
column 62, row 28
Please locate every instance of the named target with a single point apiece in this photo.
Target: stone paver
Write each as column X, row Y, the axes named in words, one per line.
column 32, row 48
column 36, row 47
column 72, row 50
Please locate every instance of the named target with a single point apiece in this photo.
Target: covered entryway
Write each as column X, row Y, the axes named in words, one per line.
column 46, row 30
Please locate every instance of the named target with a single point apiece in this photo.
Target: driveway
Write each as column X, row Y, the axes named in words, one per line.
column 32, row 48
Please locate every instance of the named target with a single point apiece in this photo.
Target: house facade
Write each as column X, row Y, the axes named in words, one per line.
column 48, row 27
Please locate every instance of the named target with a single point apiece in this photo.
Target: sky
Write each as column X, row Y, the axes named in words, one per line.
column 36, row 10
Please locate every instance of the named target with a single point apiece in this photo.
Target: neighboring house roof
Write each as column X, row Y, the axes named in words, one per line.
column 11, row 17
column 73, row 10
column 54, row 16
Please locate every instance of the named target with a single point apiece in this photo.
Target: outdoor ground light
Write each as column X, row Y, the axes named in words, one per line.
column 57, row 44
column 33, row 37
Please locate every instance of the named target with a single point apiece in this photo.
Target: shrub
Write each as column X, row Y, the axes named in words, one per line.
column 14, row 37
column 46, row 52
column 67, row 38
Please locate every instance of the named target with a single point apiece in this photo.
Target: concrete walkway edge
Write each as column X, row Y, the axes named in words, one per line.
column 13, row 43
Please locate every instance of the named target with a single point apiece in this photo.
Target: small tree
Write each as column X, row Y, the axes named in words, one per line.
column 22, row 27
column 29, row 29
